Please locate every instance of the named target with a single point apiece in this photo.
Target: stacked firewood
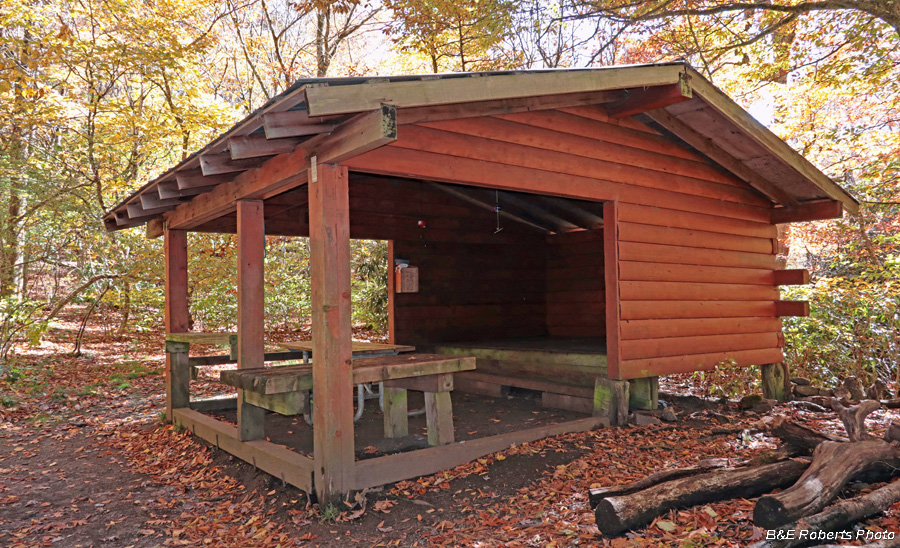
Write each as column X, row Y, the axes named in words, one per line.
column 812, row 468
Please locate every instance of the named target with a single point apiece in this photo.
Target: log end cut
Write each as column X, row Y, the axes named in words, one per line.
column 608, row 518
column 770, row 513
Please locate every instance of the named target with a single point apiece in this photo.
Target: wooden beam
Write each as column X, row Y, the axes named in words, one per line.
column 221, row 163
column 137, row 211
column 295, row 123
column 611, row 277
column 460, row 193
column 258, row 145
column 169, row 189
column 723, row 104
column 194, row 178
column 178, row 372
column 333, row 445
column 717, row 154
column 792, row 308
column 323, row 101
column 251, row 246
column 797, row 276
column 579, row 216
column 155, row 228
column 644, row 99
column 152, row 200
column 818, row 211
column 285, row 171
column 556, row 222
column 480, row 109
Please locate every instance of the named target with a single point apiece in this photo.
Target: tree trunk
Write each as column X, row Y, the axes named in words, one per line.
column 834, row 463
column 598, row 494
column 835, row 517
column 615, row 515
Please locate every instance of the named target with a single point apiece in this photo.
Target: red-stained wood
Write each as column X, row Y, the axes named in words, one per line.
column 687, row 291
column 499, row 146
column 178, row 374
column 597, row 112
column 808, row 212
column 513, row 175
column 611, row 276
column 649, row 367
column 632, row 232
column 708, row 221
column 251, row 246
column 644, row 99
column 332, row 375
column 658, row 329
column 680, row 346
column 792, row 308
column 670, row 254
column 392, row 298
column 797, row 276
column 662, row 272
column 652, row 310
column 575, row 311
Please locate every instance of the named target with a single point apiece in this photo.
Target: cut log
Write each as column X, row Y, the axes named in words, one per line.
column 855, row 387
column 834, row 463
column 835, row 517
column 854, row 418
column 597, row 494
column 800, row 436
column 617, row 514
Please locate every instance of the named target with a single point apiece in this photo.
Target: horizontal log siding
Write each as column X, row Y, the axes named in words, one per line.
column 695, row 247
column 576, row 298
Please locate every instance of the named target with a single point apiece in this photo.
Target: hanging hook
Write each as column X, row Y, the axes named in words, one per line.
column 497, row 209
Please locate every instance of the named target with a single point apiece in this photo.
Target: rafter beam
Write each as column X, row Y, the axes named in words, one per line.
column 194, row 178
column 220, row 163
column 258, row 145
column 819, row 211
column 558, row 223
column 488, row 205
column 296, row 123
column 152, row 200
column 360, row 134
column 580, row 216
column 714, row 152
column 651, row 98
column 169, row 189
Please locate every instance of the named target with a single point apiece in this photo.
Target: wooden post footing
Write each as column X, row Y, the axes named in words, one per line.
column 611, row 400
column 775, row 381
column 644, row 393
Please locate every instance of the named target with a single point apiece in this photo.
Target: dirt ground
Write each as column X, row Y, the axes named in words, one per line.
column 85, row 461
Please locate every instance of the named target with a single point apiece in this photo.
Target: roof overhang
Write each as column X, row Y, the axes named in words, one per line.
column 345, row 117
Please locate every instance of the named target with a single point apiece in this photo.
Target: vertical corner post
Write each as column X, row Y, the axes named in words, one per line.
column 251, row 245
column 178, row 372
column 611, row 273
column 329, row 235
column 776, row 381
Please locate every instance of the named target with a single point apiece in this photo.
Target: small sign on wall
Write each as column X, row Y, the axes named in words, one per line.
column 406, row 278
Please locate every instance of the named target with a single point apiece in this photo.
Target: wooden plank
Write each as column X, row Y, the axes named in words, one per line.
column 152, row 200
column 251, row 248
column 574, row 357
column 611, row 258
column 797, row 276
column 569, row 403
column 273, row 459
column 686, row 291
column 425, row 383
column 662, row 272
column 396, row 423
column 155, row 228
column 295, row 123
column 643, row 393
column 650, row 310
column 329, row 238
column 177, row 319
column 818, row 211
column 710, row 222
column 792, row 308
column 323, row 101
column 222, row 163
column 287, row 171
column 657, row 329
column 257, row 145
column 391, row 468
column 439, row 418
column 649, row 98
column 715, row 153
column 169, row 189
column 510, row 175
column 287, row 404
column 611, row 400
column 670, row 254
column 747, row 124
column 194, row 178
column 532, row 382
column 477, row 109
column 649, row 367
column 701, row 344
column 218, row 403
column 633, row 232
column 359, row 348
column 213, row 339
column 487, row 142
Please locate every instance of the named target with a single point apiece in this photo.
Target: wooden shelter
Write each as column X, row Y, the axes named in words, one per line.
column 577, row 232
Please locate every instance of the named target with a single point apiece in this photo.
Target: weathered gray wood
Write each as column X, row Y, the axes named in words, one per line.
column 611, row 400
column 615, row 515
column 643, row 393
column 425, row 383
column 854, row 417
column 439, row 417
column 214, row 404
column 775, row 381
column 569, row 403
column 396, row 423
column 288, row 403
column 598, row 494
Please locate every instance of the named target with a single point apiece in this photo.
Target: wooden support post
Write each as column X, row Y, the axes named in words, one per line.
column 439, row 417
column 329, row 237
column 611, row 400
column 251, row 245
column 396, row 424
column 611, row 271
column 775, row 381
column 178, row 372
column 644, row 393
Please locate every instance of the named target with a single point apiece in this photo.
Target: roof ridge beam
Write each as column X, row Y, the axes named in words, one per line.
column 651, row 98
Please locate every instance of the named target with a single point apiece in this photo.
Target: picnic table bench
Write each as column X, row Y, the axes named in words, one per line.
column 429, row 373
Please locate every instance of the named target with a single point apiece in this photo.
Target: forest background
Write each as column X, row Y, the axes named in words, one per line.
column 99, row 96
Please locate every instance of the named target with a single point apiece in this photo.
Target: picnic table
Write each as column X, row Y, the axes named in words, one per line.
column 428, row 373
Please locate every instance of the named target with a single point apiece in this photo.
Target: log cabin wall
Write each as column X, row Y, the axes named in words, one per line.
column 576, row 300
column 696, row 252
